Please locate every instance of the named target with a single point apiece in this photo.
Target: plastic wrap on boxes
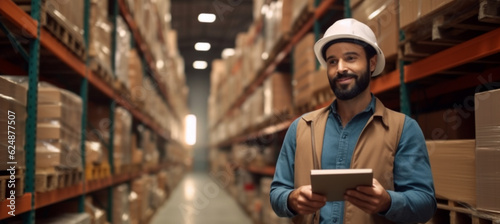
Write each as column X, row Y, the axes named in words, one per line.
column 454, row 169
column 277, row 95
column 68, row 12
column 140, row 186
column 122, row 136
column 122, row 51
column 12, row 114
column 97, row 215
column 135, row 76
column 55, row 131
column 93, row 152
column 100, row 34
column 487, row 117
column 54, row 154
column 19, row 157
column 121, row 209
column 384, row 23
column 10, row 86
column 55, row 104
column 133, row 200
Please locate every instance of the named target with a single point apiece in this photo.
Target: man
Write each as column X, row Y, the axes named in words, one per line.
column 355, row 131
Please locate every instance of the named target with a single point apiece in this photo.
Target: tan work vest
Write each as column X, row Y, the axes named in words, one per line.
column 375, row 149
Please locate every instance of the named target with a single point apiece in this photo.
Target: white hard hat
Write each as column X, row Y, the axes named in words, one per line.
column 350, row 29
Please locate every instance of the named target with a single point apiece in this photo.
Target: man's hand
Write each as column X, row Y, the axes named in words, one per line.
column 372, row 199
column 303, row 201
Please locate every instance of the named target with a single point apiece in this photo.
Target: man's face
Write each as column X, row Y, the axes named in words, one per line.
column 348, row 70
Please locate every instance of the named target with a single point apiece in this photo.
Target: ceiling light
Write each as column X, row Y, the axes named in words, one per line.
column 202, row 46
column 200, row 64
column 228, row 52
column 206, row 17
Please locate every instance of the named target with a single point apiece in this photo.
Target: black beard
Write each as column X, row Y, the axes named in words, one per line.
column 360, row 85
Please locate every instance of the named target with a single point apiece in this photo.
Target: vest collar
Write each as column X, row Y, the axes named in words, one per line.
column 380, row 111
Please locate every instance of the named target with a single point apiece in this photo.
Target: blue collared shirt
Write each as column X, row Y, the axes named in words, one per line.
column 407, row 204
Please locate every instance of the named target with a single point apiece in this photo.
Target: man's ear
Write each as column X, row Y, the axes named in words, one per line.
column 373, row 63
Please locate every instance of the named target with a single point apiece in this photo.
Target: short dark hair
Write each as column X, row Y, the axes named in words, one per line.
column 369, row 50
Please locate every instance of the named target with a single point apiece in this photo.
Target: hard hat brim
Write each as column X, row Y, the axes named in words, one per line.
column 318, row 46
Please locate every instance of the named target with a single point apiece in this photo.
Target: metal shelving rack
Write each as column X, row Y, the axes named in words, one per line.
column 27, row 204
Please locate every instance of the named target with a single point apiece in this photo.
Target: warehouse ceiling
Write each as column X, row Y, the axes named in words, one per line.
column 232, row 17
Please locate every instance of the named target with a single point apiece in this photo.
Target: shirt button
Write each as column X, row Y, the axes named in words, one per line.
column 344, row 136
column 334, row 219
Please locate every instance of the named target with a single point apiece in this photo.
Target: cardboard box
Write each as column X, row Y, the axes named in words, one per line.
column 55, row 104
column 97, row 215
column 277, row 94
column 382, row 18
column 47, row 155
column 12, row 114
column 19, row 157
column 453, row 166
column 10, row 88
column 410, row 11
column 120, row 202
column 93, row 152
column 487, row 116
column 302, row 89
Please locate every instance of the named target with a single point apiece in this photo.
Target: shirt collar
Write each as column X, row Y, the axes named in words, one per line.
column 370, row 108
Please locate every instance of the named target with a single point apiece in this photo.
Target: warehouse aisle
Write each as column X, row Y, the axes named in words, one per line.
column 198, row 199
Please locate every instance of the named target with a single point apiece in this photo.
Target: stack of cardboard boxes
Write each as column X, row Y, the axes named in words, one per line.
column 304, row 66
column 100, row 37
column 488, row 150
column 453, row 167
column 382, row 17
column 59, row 124
column 122, row 149
column 13, row 119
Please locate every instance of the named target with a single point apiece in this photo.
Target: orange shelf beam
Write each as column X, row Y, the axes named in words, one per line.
column 482, row 81
column 385, row 82
column 479, row 47
column 57, row 195
column 59, row 50
column 23, row 204
column 95, row 185
column 18, row 17
column 268, row 170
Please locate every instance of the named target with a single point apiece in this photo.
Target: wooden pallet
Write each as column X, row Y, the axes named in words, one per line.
column 448, row 27
column 71, row 38
column 55, row 178
column 45, row 181
column 97, row 171
column 121, row 88
column 69, row 177
column 102, row 71
column 460, row 213
column 17, row 184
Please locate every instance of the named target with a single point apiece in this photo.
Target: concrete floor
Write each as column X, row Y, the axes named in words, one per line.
column 198, row 199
